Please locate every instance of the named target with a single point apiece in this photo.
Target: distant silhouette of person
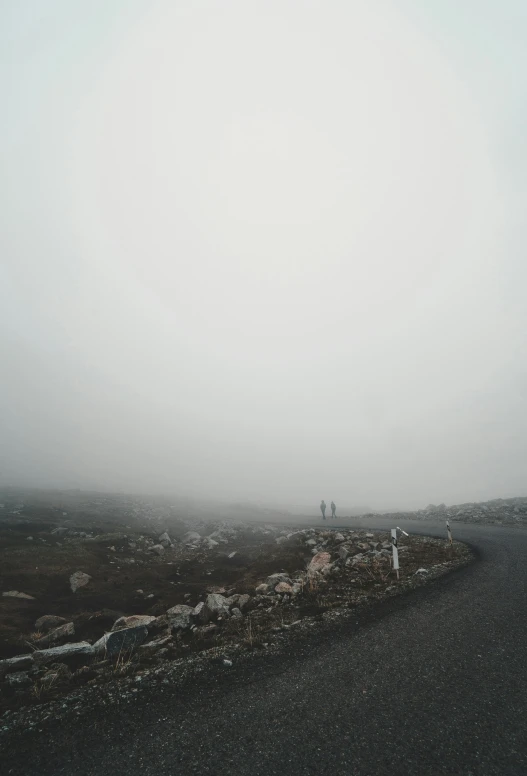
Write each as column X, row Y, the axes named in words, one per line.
column 323, row 508
column 333, row 509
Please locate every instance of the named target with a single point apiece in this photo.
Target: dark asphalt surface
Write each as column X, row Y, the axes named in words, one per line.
column 434, row 682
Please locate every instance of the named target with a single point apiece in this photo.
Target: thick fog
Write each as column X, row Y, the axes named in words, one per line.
column 265, row 250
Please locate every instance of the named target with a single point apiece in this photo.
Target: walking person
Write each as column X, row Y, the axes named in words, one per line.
column 323, row 509
column 333, row 510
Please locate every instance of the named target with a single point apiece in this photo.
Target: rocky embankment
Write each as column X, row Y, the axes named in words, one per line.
column 316, row 572
column 499, row 511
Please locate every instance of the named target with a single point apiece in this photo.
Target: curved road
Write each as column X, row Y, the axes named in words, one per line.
column 434, row 682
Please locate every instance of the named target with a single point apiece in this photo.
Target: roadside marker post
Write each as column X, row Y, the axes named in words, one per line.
column 449, row 532
column 395, row 551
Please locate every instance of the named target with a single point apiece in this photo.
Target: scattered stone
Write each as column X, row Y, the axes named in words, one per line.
column 318, row 562
column 165, row 540
column 179, row 617
column 155, row 645
column 243, row 601
column 124, row 640
column 205, row 631
column 343, row 553
column 18, row 594
column 157, row 548
column 236, row 612
column 48, row 621
column 15, row 663
column 274, row 579
column 227, row 663
column 283, row 587
column 338, row 537
column 422, row 571
column 132, row 621
column 55, row 636
column 191, row 537
column 80, row 649
column 78, row 579
column 18, row 679
column 215, row 606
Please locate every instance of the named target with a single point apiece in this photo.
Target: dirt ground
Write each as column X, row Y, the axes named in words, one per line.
column 41, row 547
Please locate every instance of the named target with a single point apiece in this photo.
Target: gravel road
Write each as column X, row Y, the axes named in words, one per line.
column 432, row 683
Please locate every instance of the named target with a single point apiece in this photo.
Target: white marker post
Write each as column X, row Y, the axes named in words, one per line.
column 395, row 551
column 449, row 532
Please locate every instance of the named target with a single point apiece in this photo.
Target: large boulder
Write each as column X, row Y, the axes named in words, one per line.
column 56, row 654
column 215, row 606
column 179, row 617
column 318, row 562
column 243, row 601
column 191, row 537
column 17, row 663
column 132, row 621
column 48, row 621
column 78, row 579
column 165, row 540
column 57, row 635
column 124, row 640
column 275, row 579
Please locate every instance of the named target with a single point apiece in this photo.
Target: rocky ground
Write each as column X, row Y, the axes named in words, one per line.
column 81, row 610
column 499, row 511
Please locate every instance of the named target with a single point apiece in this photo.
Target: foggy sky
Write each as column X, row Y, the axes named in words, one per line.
column 270, row 251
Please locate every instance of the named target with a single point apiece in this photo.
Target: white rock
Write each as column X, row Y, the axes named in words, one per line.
column 215, row 605
column 56, row 654
column 243, row 600
column 191, row 537
column 318, row 562
column 179, row 617
column 132, row 621
column 17, row 594
column 78, row 579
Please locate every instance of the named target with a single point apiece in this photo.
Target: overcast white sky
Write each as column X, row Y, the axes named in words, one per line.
column 268, row 250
